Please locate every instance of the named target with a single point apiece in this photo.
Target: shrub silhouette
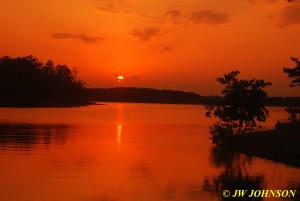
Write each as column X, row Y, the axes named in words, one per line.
column 241, row 108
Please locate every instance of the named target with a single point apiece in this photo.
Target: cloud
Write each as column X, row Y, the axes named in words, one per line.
column 290, row 15
column 82, row 37
column 167, row 48
column 112, row 9
column 133, row 78
column 130, row 78
column 174, row 15
column 209, row 17
column 146, row 34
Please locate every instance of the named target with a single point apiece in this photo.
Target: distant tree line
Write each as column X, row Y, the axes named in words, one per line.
column 145, row 95
column 149, row 95
column 25, row 81
column 283, row 101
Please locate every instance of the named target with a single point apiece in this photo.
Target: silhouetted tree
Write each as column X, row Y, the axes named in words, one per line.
column 48, row 68
column 294, row 74
column 64, row 74
column 27, row 81
column 242, row 106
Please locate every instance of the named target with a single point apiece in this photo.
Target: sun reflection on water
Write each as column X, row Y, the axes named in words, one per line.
column 119, row 123
column 119, row 134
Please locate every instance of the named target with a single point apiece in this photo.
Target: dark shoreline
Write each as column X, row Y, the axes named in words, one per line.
column 278, row 145
column 131, row 95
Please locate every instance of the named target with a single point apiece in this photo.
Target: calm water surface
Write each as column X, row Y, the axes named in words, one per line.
column 125, row 152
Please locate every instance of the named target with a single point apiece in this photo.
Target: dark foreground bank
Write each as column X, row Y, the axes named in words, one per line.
column 280, row 145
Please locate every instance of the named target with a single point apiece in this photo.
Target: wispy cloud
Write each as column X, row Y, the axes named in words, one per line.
column 146, row 34
column 174, row 15
column 290, row 15
column 209, row 17
column 167, row 48
column 82, row 37
column 132, row 78
column 112, row 9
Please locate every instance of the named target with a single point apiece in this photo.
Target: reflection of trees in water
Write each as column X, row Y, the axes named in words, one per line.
column 234, row 181
column 222, row 158
column 169, row 192
column 139, row 170
column 234, row 175
column 26, row 135
column 194, row 191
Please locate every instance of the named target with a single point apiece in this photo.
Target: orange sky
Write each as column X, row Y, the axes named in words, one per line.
column 164, row 44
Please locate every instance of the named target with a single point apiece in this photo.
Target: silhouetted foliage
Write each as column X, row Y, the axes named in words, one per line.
column 26, row 81
column 242, row 106
column 294, row 74
column 288, row 126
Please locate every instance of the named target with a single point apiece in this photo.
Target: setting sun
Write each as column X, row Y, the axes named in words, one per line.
column 120, row 78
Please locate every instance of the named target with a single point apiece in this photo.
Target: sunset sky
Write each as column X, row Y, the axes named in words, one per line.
column 163, row 44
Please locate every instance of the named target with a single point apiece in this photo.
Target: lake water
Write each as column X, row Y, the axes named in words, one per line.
column 125, row 152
